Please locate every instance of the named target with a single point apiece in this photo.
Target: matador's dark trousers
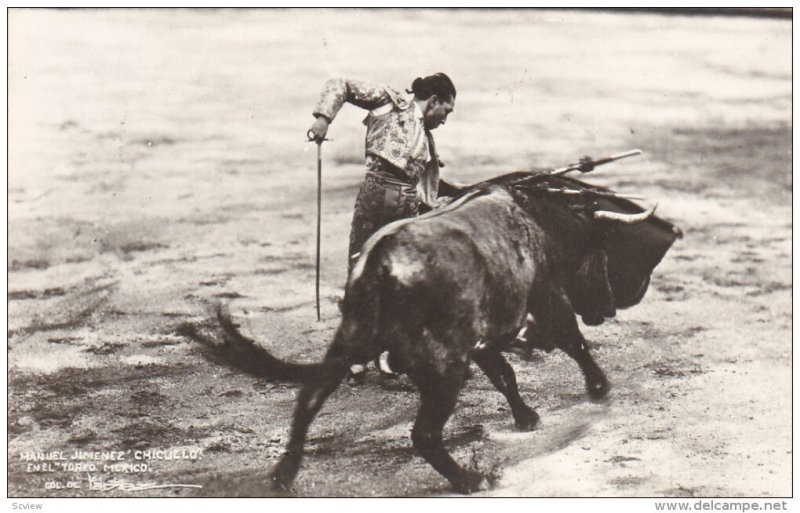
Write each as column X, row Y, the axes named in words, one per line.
column 380, row 201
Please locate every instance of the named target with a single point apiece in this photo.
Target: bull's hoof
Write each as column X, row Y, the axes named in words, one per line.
column 279, row 484
column 275, row 490
column 283, row 474
column 527, row 420
column 471, row 482
column 598, row 388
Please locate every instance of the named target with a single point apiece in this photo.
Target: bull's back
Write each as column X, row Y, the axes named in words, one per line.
column 470, row 264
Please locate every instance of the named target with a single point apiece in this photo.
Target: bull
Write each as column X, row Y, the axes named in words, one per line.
column 457, row 284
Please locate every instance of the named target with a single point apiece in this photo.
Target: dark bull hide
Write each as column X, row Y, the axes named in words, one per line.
column 456, row 285
column 631, row 251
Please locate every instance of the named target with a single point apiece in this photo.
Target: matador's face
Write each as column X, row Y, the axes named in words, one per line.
column 437, row 112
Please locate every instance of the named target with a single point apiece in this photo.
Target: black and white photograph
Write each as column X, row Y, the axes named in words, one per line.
column 400, row 252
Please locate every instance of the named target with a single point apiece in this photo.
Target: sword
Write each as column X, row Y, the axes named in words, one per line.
column 319, row 208
column 584, row 166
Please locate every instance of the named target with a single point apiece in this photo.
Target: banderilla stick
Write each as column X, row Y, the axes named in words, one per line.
column 587, row 165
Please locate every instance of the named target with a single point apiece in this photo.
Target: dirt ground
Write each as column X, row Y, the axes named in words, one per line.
column 157, row 164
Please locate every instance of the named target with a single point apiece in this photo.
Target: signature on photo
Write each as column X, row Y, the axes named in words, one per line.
column 98, row 484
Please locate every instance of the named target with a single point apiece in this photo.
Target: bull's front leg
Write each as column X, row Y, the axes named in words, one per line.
column 555, row 320
column 575, row 346
column 502, row 376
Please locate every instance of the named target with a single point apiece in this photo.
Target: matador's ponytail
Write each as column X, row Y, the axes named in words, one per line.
column 438, row 84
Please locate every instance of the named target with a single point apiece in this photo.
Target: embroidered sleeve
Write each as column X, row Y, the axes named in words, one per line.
column 337, row 91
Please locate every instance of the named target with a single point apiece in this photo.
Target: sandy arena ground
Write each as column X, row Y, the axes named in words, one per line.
column 157, row 165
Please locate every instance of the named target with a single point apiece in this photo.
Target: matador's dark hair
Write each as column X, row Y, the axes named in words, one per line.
column 438, row 84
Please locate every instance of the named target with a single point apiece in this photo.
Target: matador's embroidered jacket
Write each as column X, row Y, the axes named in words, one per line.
column 395, row 131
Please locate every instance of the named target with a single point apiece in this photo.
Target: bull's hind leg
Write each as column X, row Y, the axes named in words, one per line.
column 502, row 376
column 309, row 401
column 438, row 398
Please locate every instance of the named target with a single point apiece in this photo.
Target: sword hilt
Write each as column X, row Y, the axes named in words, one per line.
column 311, row 138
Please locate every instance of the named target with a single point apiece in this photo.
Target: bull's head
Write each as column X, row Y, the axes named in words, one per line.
column 626, row 244
column 613, row 244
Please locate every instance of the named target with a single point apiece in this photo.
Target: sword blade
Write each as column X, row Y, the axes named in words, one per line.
column 319, row 217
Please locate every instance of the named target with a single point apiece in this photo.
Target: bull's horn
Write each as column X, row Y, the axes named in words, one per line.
column 625, row 218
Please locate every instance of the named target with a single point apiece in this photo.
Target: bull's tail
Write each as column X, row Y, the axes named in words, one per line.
column 353, row 342
column 242, row 353
column 250, row 357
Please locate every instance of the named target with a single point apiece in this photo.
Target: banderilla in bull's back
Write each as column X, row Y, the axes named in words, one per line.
column 588, row 164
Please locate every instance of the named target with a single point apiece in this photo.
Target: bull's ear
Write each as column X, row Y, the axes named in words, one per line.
column 591, row 293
